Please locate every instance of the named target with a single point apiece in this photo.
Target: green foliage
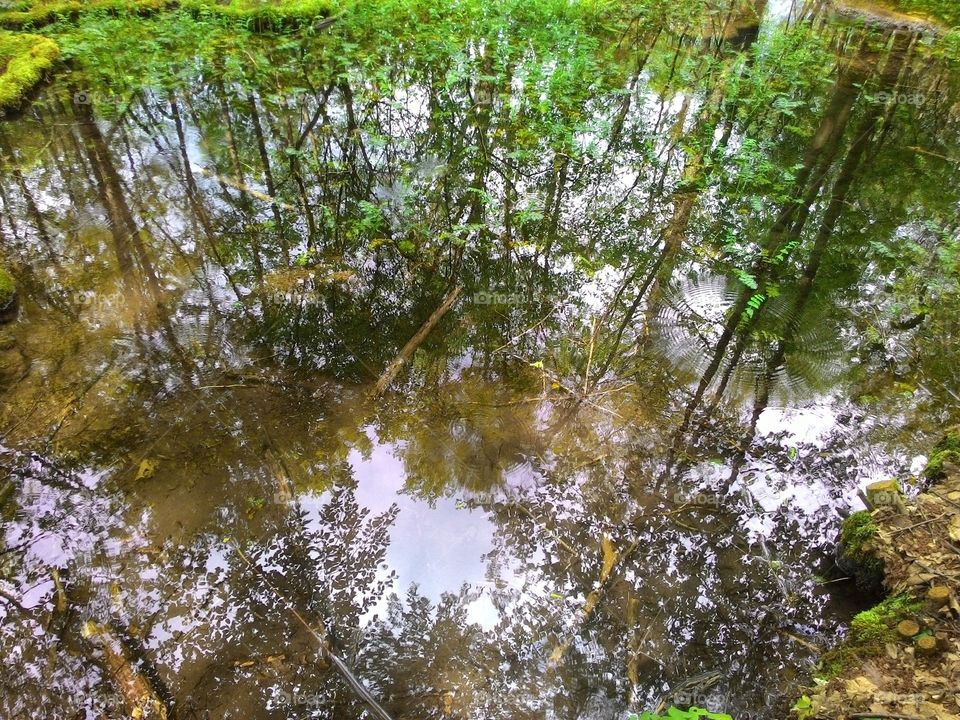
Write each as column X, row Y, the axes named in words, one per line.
column 256, row 14
column 260, row 15
column 946, row 452
column 754, row 303
column 803, row 707
column 945, row 10
column 783, row 75
column 870, row 630
column 43, row 12
column 120, row 55
column 674, row 713
column 747, row 279
column 24, row 59
column 7, row 287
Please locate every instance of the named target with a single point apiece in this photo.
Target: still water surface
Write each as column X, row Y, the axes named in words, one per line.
column 610, row 467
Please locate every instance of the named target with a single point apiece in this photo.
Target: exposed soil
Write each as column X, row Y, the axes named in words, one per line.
column 919, row 546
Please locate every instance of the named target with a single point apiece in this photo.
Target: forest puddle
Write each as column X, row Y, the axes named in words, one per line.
column 694, row 321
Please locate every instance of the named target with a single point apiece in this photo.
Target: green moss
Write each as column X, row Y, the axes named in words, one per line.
column 945, row 452
column 24, row 60
column 858, row 529
column 258, row 14
column 870, row 630
column 7, row 287
column 835, row 661
column 264, row 14
column 863, row 565
column 43, row 12
column 877, row 624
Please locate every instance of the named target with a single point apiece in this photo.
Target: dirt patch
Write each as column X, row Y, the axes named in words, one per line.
column 902, row 659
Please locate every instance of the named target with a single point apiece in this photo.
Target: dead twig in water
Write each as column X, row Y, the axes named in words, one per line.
column 327, row 22
column 139, row 695
column 586, row 373
column 525, row 332
column 598, row 393
column 573, row 392
column 321, row 637
column 830, row 582
column 612, row 560
column 413, row 343
column 911, row 527
column 802, row 641
column 224, row 387
column 924, row 151
column 588, row 463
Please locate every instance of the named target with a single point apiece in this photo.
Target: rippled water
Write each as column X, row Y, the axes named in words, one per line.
column 601, row 473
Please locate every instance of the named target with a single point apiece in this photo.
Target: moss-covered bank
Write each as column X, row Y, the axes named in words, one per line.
column 43, row 12
column 7, row 288
column 8, row 297
column 901, row 655
column 855, row 556
column 870, row 631
column 258, row 14
column 945, row 456
column 24, row 61
column 25, row 58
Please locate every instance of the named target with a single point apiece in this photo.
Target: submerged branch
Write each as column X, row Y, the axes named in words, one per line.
column 243, row 187
column 139, row 696
column 397, row 363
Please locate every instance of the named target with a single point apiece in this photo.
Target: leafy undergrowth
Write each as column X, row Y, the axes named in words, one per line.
column 24, row 60
column 674, row 713
column 117, row 55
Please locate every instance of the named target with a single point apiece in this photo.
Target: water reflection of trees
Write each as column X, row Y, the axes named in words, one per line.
column 383, row 175
column 748, row 169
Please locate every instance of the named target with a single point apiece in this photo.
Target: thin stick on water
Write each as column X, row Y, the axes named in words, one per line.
column 321, row 637
column 586, row 374
column 530, row 329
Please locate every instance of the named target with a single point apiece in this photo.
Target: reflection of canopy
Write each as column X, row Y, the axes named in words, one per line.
column 527, row 156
